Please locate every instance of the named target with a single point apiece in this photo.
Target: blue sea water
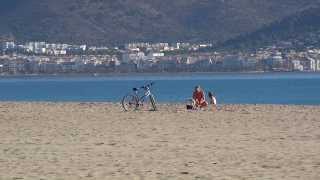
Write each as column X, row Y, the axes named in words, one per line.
column 230, row 88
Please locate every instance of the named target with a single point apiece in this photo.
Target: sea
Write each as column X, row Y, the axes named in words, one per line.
column 229, row 88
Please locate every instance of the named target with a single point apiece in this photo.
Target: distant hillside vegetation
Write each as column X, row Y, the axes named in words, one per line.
column 300, row 28
column 118, row 21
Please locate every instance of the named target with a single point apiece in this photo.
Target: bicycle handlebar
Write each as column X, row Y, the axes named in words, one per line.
column 148, row 85
column 145, row 86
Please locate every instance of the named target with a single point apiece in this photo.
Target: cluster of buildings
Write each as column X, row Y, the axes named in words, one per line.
column 279, row 59
column 48, row 58
column 43, row 48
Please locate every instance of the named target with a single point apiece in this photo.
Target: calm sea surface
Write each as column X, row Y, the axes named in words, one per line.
column 273, row 88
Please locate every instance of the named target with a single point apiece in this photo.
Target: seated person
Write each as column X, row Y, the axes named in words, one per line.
column 199, row 98
column 213, row 101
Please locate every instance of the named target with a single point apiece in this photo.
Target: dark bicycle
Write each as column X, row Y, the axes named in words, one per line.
column 135, row 101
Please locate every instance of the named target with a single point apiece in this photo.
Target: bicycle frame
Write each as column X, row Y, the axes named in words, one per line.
column 147, row 93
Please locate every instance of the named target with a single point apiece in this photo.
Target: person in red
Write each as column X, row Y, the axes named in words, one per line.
column 199, row 98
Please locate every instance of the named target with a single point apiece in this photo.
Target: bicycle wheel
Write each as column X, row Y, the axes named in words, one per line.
column 153, row 102
column 129, row 103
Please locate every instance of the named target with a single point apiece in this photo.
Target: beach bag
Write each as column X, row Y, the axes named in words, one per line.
column 189, row 104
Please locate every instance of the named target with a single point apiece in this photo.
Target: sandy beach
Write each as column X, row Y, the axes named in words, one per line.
column 100, row 141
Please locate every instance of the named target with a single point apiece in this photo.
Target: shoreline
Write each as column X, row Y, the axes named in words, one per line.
column 159, row 103
column 72, row 75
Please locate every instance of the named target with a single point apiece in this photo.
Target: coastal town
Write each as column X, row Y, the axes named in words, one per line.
column 59, row 58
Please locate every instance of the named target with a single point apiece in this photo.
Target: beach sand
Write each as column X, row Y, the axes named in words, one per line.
column 100, row 141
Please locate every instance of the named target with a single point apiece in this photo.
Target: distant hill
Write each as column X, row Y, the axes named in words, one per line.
column 118, row 21
column 302, row 28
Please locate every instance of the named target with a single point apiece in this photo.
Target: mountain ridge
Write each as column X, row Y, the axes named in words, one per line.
column 109, row 22
column 302, row 27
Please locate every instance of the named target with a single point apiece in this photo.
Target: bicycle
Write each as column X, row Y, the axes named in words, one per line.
column 133, row 101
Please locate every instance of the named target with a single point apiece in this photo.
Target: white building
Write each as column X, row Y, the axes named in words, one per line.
column 317, row 65
column 133, row 57
column 182, row 45
column 9, row 45
column 115, row 62
column 131, row 46
column 312, row 64
column 1, row 68
column 59, row 52
column 152, row 55
column 40, row 50
column 83, row 47
column 296, row 65
column 12, row 67
column 29, row 46
column 276, row 60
